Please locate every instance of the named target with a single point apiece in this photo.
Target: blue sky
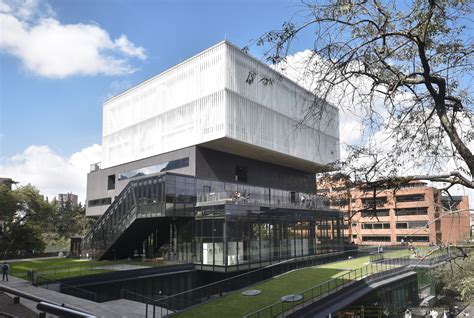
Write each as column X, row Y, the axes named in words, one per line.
column 65, row 113
column 61, row 59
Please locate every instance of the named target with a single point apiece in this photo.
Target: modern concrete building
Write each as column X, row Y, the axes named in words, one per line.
column 412, row 212
column 200, row 165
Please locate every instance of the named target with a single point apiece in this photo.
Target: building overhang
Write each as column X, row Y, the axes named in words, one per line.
column 247, row 150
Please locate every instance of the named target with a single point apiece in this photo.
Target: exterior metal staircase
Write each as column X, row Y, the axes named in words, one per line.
column 133, row 215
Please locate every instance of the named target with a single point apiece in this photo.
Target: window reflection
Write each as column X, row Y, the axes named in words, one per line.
column 161, row 167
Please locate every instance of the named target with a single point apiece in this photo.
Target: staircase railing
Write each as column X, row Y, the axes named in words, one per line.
column 119, row 215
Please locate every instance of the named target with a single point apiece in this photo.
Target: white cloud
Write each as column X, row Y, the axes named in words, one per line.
column 127, row 47
column 50, row 172
column 48, row 48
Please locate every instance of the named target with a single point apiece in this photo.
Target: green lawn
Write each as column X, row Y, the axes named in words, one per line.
column 237, row 305
column 59, row 268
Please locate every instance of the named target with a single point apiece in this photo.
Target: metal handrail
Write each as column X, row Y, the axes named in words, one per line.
column 107, row 218
column 62, row 311
column 67, row 308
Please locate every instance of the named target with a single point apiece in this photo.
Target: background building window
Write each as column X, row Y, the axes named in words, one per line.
column 413, row 238
column 410, row 198
column 376, row 212
column 411, row 211
column 375, row 238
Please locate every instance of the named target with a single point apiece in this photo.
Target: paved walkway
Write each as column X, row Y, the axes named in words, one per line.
column 118, row 308
column 27, row 259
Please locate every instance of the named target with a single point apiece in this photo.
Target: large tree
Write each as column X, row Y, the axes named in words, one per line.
column 24, row 216
column 28, row 222
column 405, row 67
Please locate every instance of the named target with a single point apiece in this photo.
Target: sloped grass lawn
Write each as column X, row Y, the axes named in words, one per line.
column 59, row 268
column 237, row 305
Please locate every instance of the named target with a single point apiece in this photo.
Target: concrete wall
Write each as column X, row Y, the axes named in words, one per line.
column 212, row 164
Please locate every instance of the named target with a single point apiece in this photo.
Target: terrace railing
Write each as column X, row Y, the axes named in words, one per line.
column 169, row 304
column 67, row 289
column 262, row 197
column 328, row 288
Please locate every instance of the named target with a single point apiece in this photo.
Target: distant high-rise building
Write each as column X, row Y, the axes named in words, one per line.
column 63, row 198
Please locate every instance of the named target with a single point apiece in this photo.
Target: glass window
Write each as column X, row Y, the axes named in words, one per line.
column 371, row 200
column 410, row 198
column 413, row 238
column 411, row 211
column 101, row 201
column 165, row 166
column 417, row 224
column 376, row 212
column 111, row 182
column 241, row 174
column 375, row 238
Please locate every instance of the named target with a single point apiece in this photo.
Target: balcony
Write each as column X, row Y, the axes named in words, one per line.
column 304, row 201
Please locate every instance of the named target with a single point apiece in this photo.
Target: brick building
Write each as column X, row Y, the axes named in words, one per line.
column 412, row 212
column 455, row 226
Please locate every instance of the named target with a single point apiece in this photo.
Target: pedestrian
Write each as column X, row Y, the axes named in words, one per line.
column 407, row 313
column 5, row 269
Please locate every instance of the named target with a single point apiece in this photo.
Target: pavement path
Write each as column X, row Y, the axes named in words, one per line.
column 121, row 308
column 15, row 310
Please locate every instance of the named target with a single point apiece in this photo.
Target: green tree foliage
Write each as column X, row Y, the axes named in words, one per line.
column 404, row 67
column 457, row 276
column 29, row 223
column 69, row 219
column 24, row 215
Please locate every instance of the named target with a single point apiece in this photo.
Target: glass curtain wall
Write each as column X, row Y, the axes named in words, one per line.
column 230, row 235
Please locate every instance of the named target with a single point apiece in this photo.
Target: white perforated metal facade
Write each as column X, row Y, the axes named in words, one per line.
column 207, row 98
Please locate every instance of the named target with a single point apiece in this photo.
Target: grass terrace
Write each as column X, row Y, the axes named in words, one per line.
column 60, row 268
column 236, row 305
